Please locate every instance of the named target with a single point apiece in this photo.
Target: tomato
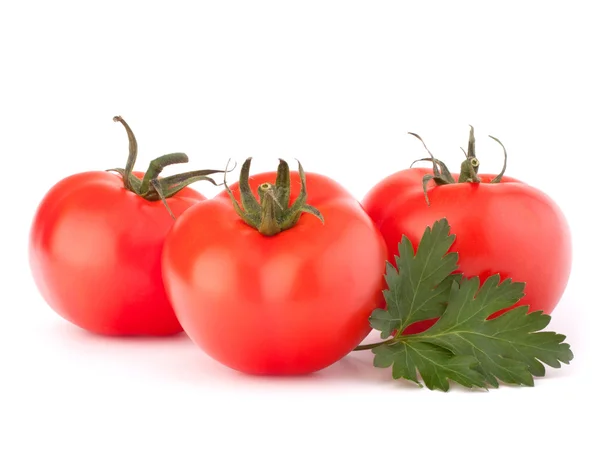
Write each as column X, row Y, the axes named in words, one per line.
column 276, row 303
column 508, row 227
column 95, row 250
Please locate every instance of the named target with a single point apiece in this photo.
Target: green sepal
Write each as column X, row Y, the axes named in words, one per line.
column 446, row 177
column 157, row 166
column 441, row 177
column 151, row 187
column 498, row 178
column 469, row 168
column 271, row 213
column 283, row 184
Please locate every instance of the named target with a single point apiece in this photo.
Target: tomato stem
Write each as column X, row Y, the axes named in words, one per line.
column 468, row 168
column 271, row 213
column 269, row 206
column 152, row 187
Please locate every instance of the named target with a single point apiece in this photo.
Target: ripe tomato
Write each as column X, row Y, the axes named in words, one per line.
column 507, row 227
column 278, row 302
column 95, row 249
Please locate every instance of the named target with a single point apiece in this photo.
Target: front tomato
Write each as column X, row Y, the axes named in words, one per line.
column 96, row 242
column 265, row 289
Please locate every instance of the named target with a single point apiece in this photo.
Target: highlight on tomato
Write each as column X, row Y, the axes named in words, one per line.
column 276, row 275
column 502, row 225
column 96, row 241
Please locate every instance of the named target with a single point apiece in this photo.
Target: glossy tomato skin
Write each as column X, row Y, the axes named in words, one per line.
column 95, row 252
column 293, row 303
column 508, row 228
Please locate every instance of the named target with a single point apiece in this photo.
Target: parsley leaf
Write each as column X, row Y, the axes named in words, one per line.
column 418, row 288
column 436, row 364
column 463, row 345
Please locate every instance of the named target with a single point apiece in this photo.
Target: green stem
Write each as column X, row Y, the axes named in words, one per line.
column 269, row 225
column 376, row 344
column 468, row 171
column 470, row 166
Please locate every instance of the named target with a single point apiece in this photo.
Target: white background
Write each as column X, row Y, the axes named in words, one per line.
column 338, row 85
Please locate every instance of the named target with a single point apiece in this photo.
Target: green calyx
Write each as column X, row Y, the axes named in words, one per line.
column 468, row 168
column 152, row 187
column 272, row 213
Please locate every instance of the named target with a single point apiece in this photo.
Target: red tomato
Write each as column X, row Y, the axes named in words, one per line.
column 95, row 255
column 291, row 303
column 508, row 228
column 95, row 250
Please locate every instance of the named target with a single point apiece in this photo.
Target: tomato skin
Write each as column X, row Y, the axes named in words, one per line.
column 95, row 251
column 292, row 303
column 508, row 228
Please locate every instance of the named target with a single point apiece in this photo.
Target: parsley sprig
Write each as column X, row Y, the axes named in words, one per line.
column 464, row 345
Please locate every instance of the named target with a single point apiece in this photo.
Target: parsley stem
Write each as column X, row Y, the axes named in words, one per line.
column 376, row 344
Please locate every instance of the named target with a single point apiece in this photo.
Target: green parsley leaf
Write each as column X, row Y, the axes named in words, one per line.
column 463, row 346
column 418, row 288
column 436, row 364
column 508, row 347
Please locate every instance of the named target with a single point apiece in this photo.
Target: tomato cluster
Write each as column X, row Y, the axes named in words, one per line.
column 279, row 272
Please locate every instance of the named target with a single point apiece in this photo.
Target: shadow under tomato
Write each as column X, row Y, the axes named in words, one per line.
column 176, row 358
column 69, row 332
